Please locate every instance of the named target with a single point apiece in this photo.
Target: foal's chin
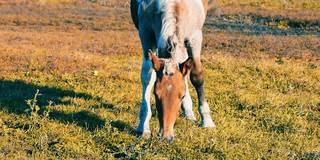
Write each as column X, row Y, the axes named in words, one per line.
column 167, row 122
column 168, row 137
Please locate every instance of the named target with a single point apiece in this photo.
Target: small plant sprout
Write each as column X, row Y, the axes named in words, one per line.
column 47, row 112
column 33, row 107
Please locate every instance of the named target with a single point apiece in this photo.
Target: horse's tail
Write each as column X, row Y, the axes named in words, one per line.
column 169, row 37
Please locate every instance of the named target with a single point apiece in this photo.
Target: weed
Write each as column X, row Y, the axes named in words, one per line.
column 33, row 109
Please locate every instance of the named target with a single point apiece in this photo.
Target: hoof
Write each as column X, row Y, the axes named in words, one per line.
column 160, row 133
column 143, row 134
column 146, row 135
column 191, row 118
column 209, row 124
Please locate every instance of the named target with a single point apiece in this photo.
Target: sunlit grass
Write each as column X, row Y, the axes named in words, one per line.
column 262, row 109
column 263, row 90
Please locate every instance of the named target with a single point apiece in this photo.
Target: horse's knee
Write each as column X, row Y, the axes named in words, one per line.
column 197, row 79
column 146, row 72
column 197, row 74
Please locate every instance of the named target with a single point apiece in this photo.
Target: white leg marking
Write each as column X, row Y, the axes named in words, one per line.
column 206, row 120
column 187, row 104
column 148, row 77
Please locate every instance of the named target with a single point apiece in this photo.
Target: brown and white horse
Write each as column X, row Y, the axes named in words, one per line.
column 171, row 36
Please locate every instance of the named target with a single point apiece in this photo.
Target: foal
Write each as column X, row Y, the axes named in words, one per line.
column 173, row 30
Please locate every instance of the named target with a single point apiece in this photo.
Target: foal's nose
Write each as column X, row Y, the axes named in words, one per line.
column 169, row 139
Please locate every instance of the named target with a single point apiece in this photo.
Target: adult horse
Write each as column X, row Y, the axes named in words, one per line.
column 171, row 36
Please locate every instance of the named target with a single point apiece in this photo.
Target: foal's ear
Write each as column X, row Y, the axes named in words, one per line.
column 156, row 62
column 186, row 66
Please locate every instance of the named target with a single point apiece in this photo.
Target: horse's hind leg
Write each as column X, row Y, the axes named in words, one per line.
column 197, row 79
column 148, row 77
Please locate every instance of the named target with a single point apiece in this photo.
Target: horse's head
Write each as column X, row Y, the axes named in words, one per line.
column 169, row 90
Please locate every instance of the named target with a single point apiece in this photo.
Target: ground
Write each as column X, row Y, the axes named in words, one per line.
column 70, row 86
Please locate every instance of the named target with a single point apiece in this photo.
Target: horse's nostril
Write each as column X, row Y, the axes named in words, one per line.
column 169, row 139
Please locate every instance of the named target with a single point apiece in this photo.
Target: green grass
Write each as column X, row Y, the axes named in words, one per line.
column 262, row 110
column 263, row 89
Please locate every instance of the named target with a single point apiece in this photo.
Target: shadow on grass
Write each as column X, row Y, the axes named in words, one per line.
column 13, row 96
column 124, row 127
column 84, row 119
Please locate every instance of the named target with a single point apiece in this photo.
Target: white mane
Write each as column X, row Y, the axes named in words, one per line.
column 169, row 21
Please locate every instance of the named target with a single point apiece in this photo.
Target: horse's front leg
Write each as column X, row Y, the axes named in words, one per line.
column 197, row 79
column 187, row 104
column 148, row 77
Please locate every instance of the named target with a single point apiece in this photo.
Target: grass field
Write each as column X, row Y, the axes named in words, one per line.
column 70, row 86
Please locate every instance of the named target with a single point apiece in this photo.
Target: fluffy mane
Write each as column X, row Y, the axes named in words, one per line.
column 169, row 23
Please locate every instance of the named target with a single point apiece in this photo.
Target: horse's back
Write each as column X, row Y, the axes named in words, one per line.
column 191, row 15
column 134, row 6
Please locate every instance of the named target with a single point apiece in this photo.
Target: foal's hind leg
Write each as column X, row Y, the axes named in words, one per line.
column 197, row 79
column 148, row 77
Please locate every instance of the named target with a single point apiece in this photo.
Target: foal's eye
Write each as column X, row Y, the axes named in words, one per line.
column 182, row 97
